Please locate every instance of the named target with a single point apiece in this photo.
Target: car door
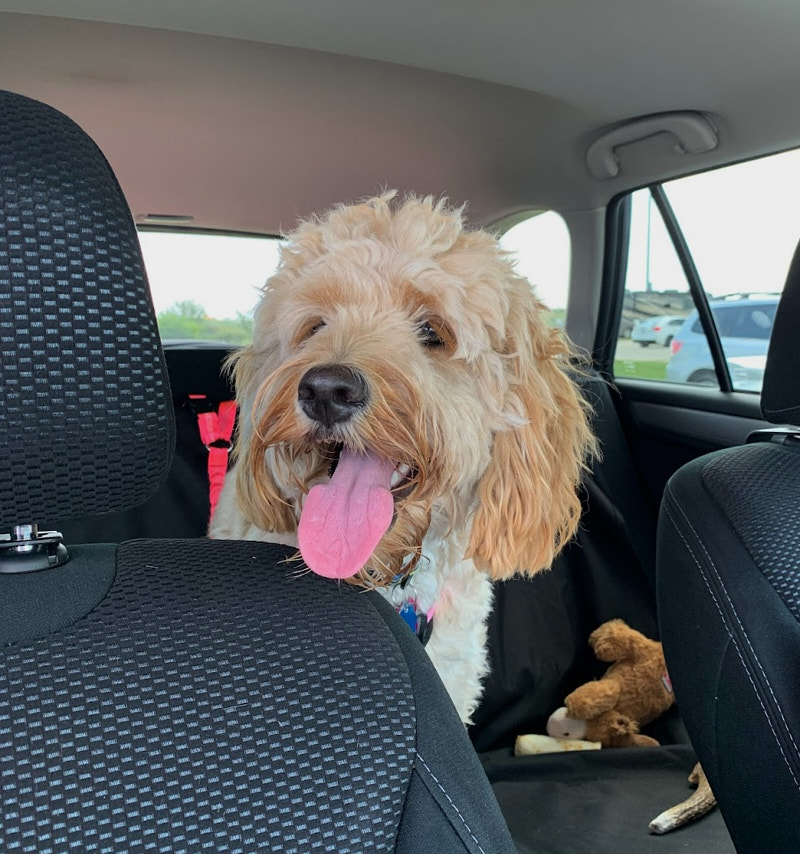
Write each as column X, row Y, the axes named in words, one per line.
column 712, row 243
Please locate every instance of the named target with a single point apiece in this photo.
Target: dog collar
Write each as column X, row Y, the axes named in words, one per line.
column 419, row 623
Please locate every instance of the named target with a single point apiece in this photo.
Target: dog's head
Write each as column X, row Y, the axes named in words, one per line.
column 400, row 368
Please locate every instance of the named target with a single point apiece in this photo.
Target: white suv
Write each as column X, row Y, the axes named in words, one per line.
column 744, row 323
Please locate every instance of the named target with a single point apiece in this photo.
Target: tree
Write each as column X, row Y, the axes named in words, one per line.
column 187, row 319
column 188, row 308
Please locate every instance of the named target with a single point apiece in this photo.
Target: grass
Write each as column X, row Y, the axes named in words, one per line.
column 641, row 370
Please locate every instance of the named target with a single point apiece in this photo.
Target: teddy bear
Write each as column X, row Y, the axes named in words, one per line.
column 634, row 691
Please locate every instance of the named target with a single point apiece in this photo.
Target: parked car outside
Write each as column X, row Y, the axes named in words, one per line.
column 744, row 325
column 665, row 332
column 657, row 330
column 626, row 325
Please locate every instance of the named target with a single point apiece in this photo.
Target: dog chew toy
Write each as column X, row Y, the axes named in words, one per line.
column 529, row 745
column 696, row 805
column 634, row 691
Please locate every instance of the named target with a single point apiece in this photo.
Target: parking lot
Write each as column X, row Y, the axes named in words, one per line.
column 631, row 350
column 633, row 360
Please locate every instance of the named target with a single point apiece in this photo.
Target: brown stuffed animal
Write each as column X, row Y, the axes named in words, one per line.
column 634, row 691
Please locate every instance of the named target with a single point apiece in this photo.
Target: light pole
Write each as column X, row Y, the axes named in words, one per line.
column 648, row 286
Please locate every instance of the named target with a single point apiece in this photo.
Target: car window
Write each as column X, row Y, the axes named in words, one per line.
column 205, row 285
column 741, row 230
column 540, row 246
column 750, row 321
column 657, row 299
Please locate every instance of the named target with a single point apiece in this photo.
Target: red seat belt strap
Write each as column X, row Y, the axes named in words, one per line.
column 216, row 430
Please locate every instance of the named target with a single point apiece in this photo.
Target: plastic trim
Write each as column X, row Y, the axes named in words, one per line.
column 695, row 285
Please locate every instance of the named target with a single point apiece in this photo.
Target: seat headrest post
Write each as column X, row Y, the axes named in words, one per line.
column 26, row 549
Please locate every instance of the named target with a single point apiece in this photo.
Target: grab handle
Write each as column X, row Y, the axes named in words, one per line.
column 693, row 133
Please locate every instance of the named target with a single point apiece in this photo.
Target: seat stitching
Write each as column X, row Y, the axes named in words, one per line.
column 745, row 635
column 450, row 800
column 732, row 636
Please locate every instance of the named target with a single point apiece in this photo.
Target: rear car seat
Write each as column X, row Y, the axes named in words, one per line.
column 539, row 627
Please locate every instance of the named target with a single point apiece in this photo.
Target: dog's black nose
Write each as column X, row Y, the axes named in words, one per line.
column 331, row 394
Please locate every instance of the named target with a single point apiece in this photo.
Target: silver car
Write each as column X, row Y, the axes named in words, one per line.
column 656, row 330
column 744, row 323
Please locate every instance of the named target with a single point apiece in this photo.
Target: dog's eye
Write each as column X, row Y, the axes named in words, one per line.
column 309, row 328
column 429, row 335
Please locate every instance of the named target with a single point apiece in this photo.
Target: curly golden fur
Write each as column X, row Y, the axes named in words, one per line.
column 492, row 415
column 468, row 386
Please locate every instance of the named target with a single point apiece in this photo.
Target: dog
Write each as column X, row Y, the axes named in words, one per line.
column 409, row 420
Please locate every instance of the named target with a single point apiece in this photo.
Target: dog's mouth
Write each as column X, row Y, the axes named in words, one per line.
column 344, row 519
column 402, row 480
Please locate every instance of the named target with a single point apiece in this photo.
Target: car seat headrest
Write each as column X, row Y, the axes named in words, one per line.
column 780, row 396
column 87, row 424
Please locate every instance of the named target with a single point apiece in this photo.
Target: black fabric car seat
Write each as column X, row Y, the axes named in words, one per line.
column 175, row 695
column 728, row 579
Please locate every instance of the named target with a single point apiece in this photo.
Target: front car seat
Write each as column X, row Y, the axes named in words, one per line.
column 175, row 695
column 728, row 568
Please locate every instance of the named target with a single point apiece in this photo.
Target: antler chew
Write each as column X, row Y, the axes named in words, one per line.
column 697, row 804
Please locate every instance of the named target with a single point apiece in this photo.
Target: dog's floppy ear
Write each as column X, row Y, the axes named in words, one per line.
column 528, row 503
column 257, row 492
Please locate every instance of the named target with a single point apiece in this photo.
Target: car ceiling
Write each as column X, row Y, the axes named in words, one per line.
column 249, row 113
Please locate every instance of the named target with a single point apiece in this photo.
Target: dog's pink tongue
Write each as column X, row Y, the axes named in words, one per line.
column 342, row 521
